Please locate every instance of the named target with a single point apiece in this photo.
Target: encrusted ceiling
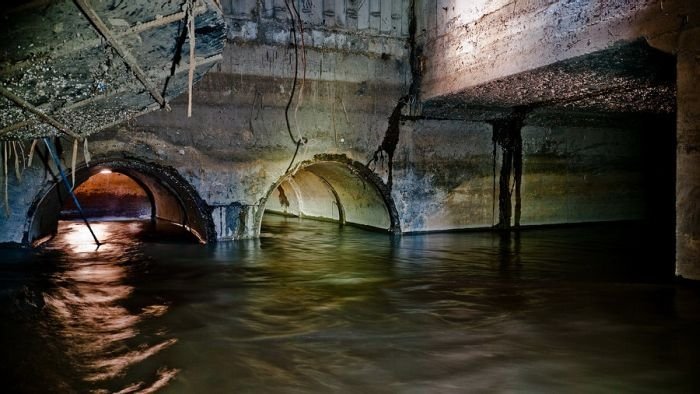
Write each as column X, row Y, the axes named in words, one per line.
column 55, row 59
column 626, row 78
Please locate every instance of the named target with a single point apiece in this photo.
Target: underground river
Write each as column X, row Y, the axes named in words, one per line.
column 313, row 307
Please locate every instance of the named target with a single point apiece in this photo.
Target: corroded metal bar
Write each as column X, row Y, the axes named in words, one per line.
column 82, row 103
column 138, row 28
column 24, row 104
column 122, row 50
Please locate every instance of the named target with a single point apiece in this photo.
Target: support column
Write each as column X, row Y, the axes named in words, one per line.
column 688, row 157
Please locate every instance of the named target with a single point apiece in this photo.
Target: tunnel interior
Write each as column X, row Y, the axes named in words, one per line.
column 122, row 189
column 336, row 191
column 110, row 195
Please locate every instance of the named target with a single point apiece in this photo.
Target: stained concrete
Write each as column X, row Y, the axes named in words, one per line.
column 468, row 44
column 688, row 157
column 591, row 150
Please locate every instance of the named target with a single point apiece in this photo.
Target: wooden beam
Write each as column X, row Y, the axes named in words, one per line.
column 122, row 50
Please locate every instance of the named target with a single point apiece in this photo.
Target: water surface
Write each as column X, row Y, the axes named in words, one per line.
column 311, row 307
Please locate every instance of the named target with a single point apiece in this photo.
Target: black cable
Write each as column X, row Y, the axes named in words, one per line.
column 296, row 75
column 302, row 140
column 293, row 157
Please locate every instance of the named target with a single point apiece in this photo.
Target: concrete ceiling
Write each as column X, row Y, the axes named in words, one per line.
column 629, row 78
column 55, row 59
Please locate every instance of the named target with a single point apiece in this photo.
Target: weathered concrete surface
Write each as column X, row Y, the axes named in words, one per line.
column 578, row 165
column 236, row 145
column 443, row 175
column 627, row 77
column 577, row 174
column 688, row 157
column 575, row 170
column 469, row 43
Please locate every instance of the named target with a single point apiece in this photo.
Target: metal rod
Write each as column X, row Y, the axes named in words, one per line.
column 122, row 50
column 94, row 43
column 190, row 32
column 91, row 100
column 24, row 104
column 70, row 190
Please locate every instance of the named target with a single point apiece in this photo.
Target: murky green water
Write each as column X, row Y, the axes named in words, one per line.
column 313, row 308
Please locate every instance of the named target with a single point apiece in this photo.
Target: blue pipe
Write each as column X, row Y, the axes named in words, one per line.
column 70, row 190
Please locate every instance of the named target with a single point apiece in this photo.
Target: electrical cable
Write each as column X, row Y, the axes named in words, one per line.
column 301, row 140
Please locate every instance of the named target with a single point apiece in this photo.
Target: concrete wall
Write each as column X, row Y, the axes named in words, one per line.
column 468, row 43
column 581, row 174
column 444, row 174
column 236, row 147
column 688, row 156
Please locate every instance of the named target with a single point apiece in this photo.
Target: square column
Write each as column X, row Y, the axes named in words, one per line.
column 688, row 156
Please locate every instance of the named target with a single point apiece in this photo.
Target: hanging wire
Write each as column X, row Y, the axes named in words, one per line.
column 301, row 140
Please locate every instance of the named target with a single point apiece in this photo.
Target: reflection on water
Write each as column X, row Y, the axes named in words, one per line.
column 310, row 307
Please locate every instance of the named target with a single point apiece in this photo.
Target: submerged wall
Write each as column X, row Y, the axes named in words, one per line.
column 574, row 170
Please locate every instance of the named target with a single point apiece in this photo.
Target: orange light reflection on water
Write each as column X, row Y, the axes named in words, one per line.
column 85, row 304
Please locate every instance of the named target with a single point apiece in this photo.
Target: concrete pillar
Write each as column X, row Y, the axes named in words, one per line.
column 688, row 157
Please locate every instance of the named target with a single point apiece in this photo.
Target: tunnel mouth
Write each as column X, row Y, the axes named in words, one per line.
column 110, row 196
column 116, row 189
column 336, row 189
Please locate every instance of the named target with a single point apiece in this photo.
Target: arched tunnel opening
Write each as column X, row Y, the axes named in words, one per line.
column 110, row 195
column 124, row 190
column 336, row 190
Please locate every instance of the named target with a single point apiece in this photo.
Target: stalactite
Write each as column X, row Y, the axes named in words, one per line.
column 86, row 152
column 18, row 173
column 6, row 199
column 31, row 153
column 518, row 173
column 74, row 161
